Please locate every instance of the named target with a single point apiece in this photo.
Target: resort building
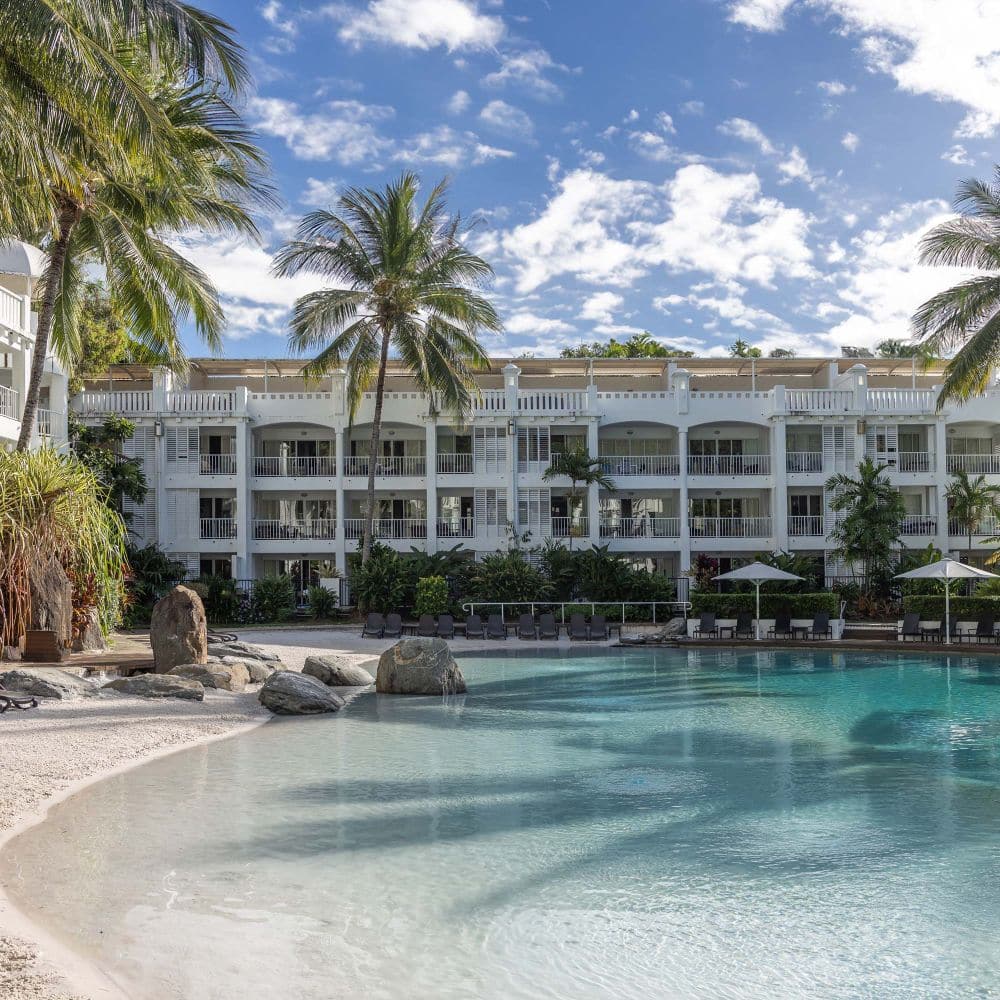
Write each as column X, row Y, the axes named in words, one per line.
column 20, row 267
column 255, row 471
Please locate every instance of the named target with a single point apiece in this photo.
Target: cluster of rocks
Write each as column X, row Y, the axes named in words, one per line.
column 668, row 635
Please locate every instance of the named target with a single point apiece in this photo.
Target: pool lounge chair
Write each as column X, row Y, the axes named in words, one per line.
column 474, row 627
column 911, row 627
column 446, row 627
column 495, row 628
column 427, row 627
column 744, row 626
column 374, row 626
column 393, row 626
column 578, row 627
column 547, row 628
column 782, row 627
column 707, row 625
column 935, row 632
column 598, row 628
column 821, row 627
column 9, row 701
column 985, row 631
column 526, row 627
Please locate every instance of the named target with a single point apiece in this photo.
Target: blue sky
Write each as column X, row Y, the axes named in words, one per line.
column 702, row 169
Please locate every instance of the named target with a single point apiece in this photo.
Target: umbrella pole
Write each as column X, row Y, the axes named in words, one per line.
column 757, row 619
column 947, row 612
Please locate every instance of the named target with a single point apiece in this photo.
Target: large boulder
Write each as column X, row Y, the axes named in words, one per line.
column 242, row 650
column 178, row 630
column 259, row 670
column 223, row 676
column 158, row 686
column 336, row 670
column 47, row 682
column 51, row 596
column 89, row 637
column 419, row 666
column 287, row 692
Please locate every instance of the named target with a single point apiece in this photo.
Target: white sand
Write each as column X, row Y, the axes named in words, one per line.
column 52, row 752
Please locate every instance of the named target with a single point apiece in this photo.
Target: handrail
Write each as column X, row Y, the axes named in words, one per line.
column 470, row 608
column 8, row 403
column 11, row 310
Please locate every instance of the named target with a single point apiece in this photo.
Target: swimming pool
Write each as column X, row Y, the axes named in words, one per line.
column 627, row 824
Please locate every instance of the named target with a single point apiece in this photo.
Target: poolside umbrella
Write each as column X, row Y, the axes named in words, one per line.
column 947, row 570
column 757, row 573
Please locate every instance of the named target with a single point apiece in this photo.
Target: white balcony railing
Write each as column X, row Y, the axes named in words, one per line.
column 805, row 525
column 552, row 401
column 201, row 401
column 386, row 465
column 44, row 420
column 8, row 403
column 919, row 524
column 804, row 461
column 901, row 401
column 730, row 527
column 450, row 463
column 388, row 527
column 135, row 401
column 640, row 527
column 217, row 465
column 490, row 401
column 269, row 466
column 975, row 465
column 218, row 527
column 266, row 529
column 819, row 400
column 459, row 527
column 729, row 465
column 641, row 465
column 570, row 527
column 11, row 310
column 914, row 461
column 987, row 528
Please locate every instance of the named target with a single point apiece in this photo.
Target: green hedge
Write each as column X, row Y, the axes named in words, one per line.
column 799, row 605
column 967, row 609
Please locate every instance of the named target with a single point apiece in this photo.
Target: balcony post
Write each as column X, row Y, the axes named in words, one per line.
column 511, row 374
column 685, row 524
column 243, row 523
column 941, row 482
column 340, row 542
column 430, row 471
column 20, row 370
column 594, row 491
column 779, row 487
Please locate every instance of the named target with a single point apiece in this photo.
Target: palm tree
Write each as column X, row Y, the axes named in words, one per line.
column 971, row 501
column 205, row 174
column 403, row 281
column 967, row 315
column 869, row 532
column 577, row 465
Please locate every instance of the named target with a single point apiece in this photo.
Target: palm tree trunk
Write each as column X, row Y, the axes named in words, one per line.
column 69, row 215
column 366, row 543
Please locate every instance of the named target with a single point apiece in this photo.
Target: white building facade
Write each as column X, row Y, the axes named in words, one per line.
column 254, row 471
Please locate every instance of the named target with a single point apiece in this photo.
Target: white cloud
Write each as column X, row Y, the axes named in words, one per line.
column 793, row 165
column 665, row 123
column 740, row 128
column 529, row 322
column 459, row 102
column 958, row 155
column 632, row 116
column 527, row 69
column 835, row 253
column 835, row 88
column 318, row 194
column 795, row 168
column 727, row 302
column 417, row 24
column 652, row 146
column 945, row 50
column 693, row 107
column 284, row 26
column 505, row 117
column 601, row 307
column 850, row 141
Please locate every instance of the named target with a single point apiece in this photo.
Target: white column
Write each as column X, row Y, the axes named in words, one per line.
column 682, row 505
column 779, row 491
column 430, row 448
column 511, row 374
column 244, row 499
column 340, row 542
column 941, row 482
column 594, row 491
column 20, row 373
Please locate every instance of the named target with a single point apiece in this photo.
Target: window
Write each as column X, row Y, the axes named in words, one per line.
column 805, row 505
column 216, row 566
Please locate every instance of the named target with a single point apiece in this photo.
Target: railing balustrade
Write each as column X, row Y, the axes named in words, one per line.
column 551, row 400
column 804, row 461
column 134, row 401
column 641, row 527
column 386, row 465
column 460, row 527
column 267, row 529
column 218, row 527
column 11, row 310
column 450, row 463
column 819, row 400
column 490, row 401
column 987, row 528
column 8, row 403
column 730, row 527
column 44, row 421
column 975, row 465
column 914, row 461
column 919, row 524
column 387, row 527
column 805, row 525
column 729, row 465
column 570, row 527
column 217, row 465
column 271, row 466
column 901, row 401
column 641, row 465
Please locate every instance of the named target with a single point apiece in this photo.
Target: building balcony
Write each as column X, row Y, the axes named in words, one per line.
column 804, row 461
column 641, row 465
column 9, row 403
column 265, row 529
column 730, row 527
column 570, row 527
column 641, row 527
column 218, row 527
column 806, row 526
column 918, row 524
column 729, row 465
column 389, row 528
column 459, row 527
column 455, row 463
column 100, row 403
column 11, row 312
column 386, row 465
column 201, row 401
column 975, row 465
column 45, row 420
column 272, row 466
column 914, row 461
column 217, row 465
column 988, row 528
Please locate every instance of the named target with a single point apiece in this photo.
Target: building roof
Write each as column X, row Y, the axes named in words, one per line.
column 17, row 257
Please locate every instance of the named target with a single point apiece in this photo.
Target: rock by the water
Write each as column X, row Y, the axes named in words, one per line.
column 259, row 670
column 287, row 692
column 242, row 650
column 419, row 666
column 158, row 686
column 338, row 671
column 214, row 674
column 47, row 682
column 89, row 637
column 51, row 596
column 178, row 630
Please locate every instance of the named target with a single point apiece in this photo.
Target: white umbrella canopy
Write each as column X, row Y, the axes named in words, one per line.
column 758, row 573
column 947, row 570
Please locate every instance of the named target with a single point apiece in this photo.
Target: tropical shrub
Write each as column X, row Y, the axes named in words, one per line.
column 704, row 569
column 799, row 605
column 322, row 601
column 508, row 577
column 273, row 598
column 432, row 596
column 224, row 601
column 931, row 607
column 559, row 564
column 151, row 574
column 380, row 584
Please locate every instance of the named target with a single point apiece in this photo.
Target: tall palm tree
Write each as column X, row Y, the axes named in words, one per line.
column 582, row 470
column 967, row 315
column 971, row 501
column 205, row 174
column 403, row 281
column 873, row 510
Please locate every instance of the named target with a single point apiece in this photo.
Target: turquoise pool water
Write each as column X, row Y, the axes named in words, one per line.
column 626, row 825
